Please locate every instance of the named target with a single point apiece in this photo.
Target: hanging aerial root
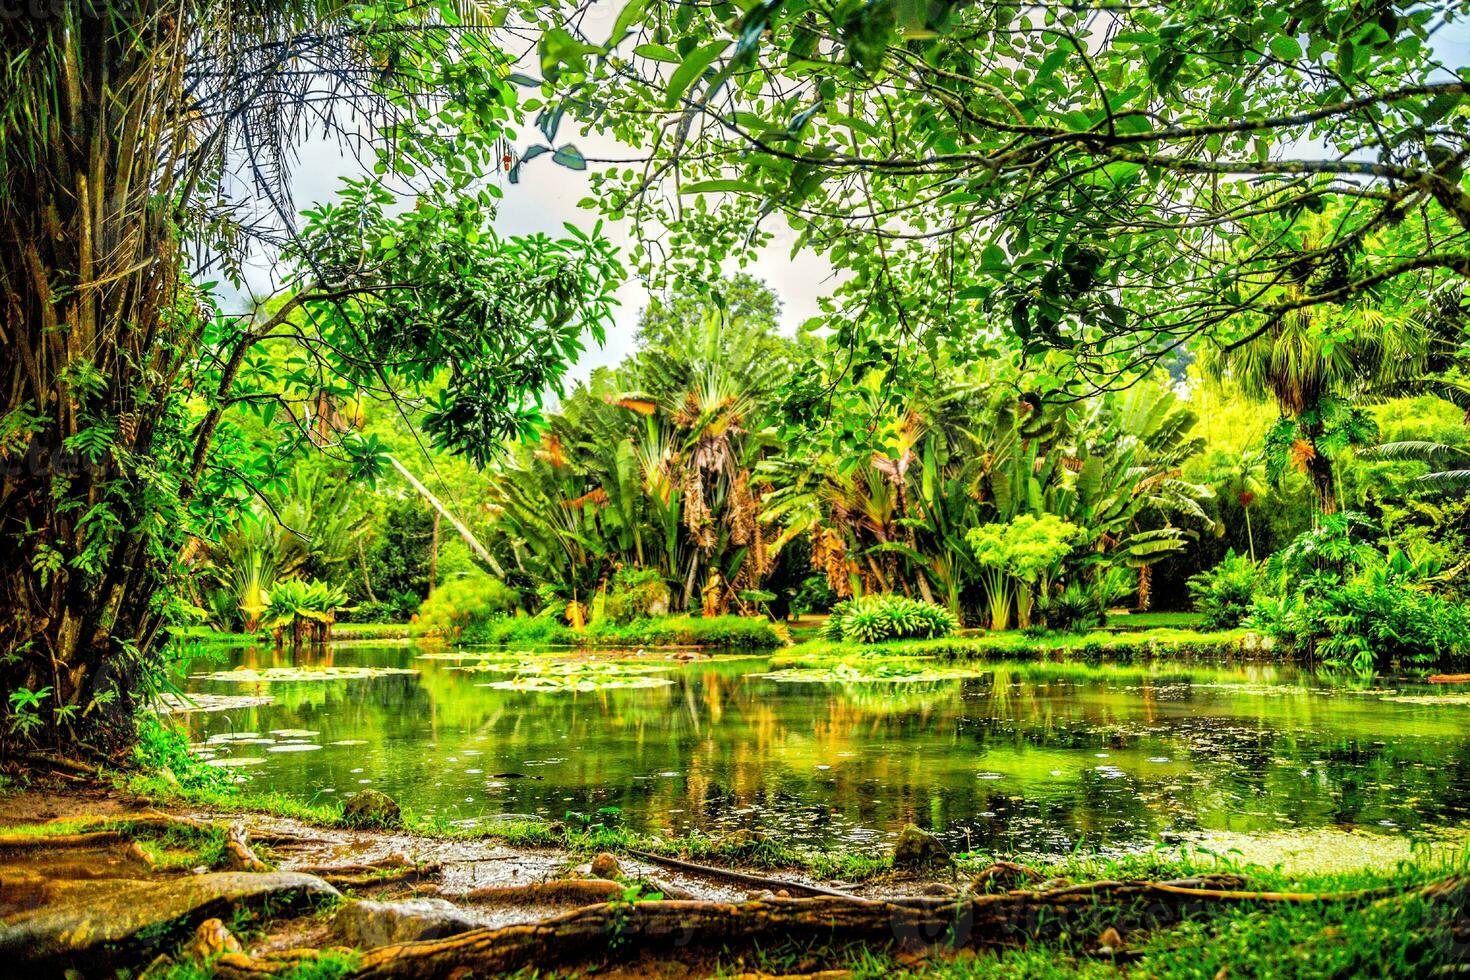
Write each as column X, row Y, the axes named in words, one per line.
column 599, row 931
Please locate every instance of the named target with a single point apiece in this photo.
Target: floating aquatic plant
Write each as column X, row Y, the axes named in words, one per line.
column 553, row 683
column 570, row 668
column 268, row 675
column 863, row 671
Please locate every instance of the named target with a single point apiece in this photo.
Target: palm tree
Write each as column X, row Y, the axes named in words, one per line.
column 1315, row 363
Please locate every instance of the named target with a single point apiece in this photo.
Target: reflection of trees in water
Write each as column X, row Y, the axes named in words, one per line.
column 751, row 752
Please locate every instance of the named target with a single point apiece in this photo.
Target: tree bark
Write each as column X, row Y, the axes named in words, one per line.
column 674, row 928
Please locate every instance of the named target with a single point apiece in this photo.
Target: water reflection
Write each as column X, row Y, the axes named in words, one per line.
column 1031, row 757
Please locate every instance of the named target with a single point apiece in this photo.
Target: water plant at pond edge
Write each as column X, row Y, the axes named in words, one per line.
column 307, row 608
column 735, row 632
column 868, row 670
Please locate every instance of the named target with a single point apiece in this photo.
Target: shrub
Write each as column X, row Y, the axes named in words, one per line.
column 1075, row 609
column 741, row 632
column 633, row 593
column 544, row 629
column 1224, row 594
column 875, row 618
column 464, row 607
column 397, row 607
column 308, row 608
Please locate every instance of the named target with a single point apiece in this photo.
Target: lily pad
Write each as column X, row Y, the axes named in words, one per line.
column 269, row 675
column 1429, row 699
column 242, row 760
column 294, row 747
column 294, row 733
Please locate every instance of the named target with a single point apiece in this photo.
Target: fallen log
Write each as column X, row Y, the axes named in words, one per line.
column 601, row 931
column 739, row 877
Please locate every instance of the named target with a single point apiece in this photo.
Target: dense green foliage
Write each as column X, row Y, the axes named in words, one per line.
column 1224, row 593
column 1339, row 594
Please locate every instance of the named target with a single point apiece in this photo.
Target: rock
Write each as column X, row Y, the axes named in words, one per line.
column 91, row 925
column 366, row 924
column 372, row 809
column 1110, row 940
column 917, row 850
column 606, row 866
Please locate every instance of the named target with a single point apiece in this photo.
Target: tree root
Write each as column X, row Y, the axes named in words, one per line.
column 600, row 931
column 580, row 891
column 389, row 871
column 393, row 862
column 238, row 854
column 71, row 768
column 373, row 880
column 738, row 877
column 97, row 838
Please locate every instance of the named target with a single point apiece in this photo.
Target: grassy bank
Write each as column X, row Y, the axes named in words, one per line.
column 1096, row 646
column 734, row 632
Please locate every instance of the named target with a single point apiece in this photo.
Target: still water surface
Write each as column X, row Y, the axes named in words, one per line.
column 1038, row 758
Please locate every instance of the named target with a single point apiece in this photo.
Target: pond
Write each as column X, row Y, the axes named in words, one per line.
column 1033, row 758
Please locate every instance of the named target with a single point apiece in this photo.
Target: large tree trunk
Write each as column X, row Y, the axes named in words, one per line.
column 1324, row 483
column 98, row 340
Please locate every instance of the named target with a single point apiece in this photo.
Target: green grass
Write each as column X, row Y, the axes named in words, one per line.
column 207, row 636
column 738, row 632
column 1155, row 620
